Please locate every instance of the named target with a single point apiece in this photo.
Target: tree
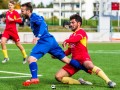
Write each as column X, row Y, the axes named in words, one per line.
column 41, row 5
column 50, row 5
column 4, row 4
column 33, row 5
column 17, row 5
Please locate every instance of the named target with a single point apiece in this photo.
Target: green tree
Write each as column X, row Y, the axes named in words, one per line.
column 50, row 5
column 41, row 5
column 4, row 4
column 33, row 5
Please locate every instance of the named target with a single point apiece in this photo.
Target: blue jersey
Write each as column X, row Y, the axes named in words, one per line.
column 39, row 26
column 46, row 43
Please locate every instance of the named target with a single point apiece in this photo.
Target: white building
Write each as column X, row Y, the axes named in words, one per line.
column 68, row 7
column 46, row 12
column 86, row 8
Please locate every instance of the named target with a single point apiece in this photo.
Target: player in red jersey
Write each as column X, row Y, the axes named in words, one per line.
column 12, row 17
column 78, row 49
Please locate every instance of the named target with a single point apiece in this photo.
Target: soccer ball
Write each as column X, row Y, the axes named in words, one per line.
column 53, row 86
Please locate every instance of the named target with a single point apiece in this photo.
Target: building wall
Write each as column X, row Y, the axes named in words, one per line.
column 88, row 8
column 27, row 37
column 68, row 7
column 46, row 12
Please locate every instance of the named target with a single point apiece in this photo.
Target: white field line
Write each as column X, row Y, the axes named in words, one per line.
column 14, row 73
column 18, row 76
column 105, row 51
column 24, row 74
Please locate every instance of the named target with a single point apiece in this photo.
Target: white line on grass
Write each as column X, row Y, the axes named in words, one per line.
column 105, row 51
column 16, row 73
column 18, row 76
column 14, row 76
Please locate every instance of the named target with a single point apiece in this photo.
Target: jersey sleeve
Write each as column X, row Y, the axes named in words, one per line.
column 17, row 18
column 74, row 39
column 39, row 21
column 68, row 51
column 42, row 29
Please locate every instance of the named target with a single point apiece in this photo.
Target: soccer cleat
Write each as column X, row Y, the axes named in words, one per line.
column 5, row 60
column 24, row 60
column 83, row 82
column 31, row 81
column 111, row 84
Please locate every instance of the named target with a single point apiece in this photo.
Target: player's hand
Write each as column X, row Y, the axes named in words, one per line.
column 35, row 40
column 3, row 19
column 64, row 44
column 10, row 19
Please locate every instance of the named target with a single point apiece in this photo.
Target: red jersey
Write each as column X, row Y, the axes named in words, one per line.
column 10, row 29
column 11, row 25
column 78, row 46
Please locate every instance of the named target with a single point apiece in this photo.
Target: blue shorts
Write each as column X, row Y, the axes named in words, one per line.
column 47, row 45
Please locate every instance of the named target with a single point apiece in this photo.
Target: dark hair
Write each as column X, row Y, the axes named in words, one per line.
column 28, row 6
column 76, row 17
column 13, row 2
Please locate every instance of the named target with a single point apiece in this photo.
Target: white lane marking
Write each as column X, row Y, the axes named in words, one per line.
column 16, row 73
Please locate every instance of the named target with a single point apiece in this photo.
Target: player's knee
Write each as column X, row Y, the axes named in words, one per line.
column 31, row 59
column 18, row 44
column 66, row 60
column 58, row 77
column 3, row 42
column 89, row 65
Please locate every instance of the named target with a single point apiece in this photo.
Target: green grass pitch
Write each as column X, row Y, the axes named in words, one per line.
column 104, row 55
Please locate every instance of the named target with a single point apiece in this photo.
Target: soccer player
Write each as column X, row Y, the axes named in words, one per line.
column 45, row 43
column 77, row 47
column 10, row 32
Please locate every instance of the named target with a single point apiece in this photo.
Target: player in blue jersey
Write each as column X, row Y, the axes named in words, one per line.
column 45, row 43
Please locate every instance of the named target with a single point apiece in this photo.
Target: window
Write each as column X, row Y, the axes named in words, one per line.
column 77, row 5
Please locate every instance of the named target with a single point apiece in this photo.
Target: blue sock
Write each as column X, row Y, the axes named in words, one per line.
column 77, row 65
column 33, row 69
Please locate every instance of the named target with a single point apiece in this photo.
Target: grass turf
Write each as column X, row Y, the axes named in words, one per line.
column 104, row 55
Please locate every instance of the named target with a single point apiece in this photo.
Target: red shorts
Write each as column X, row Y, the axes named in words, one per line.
column 11, row 35
column 71, row 70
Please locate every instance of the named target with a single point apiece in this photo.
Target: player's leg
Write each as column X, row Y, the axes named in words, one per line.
column 58, row 53
column 4, row 48
column 37, row 52
column 64, row 77
column 19, row 45
column 98, row 71
column 65, row 73
column 60, row 74
column 33, row 69
column 16, row 39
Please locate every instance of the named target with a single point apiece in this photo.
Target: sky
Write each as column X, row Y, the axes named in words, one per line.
column 36, row 2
